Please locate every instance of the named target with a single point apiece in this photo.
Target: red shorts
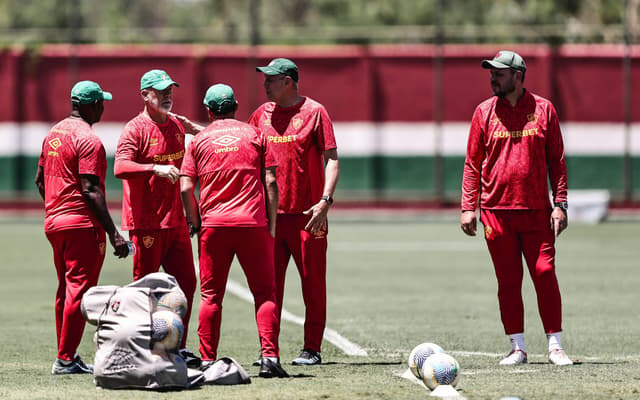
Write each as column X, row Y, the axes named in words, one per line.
column 78, row 255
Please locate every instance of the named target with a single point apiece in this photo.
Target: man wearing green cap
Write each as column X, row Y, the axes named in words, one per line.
column 70, row 178
column 236, row 216
column 300, row 132
column 514, row 147
column 148, row 160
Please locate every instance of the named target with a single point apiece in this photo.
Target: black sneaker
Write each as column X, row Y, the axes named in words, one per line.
column 271, row 369
column 190, row 359
column 257, row 362
column 307, row 357
column 76, row 366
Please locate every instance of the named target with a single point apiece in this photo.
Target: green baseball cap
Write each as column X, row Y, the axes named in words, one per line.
column 156, row 79
column 280, row 66
column 86, row 92
column 505, row 59
column 220, row 98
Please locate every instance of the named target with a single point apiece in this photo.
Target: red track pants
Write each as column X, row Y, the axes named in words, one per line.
column 309, row 252
column 254, row 249
column 78, row 255
column 510, row 234
column 170, row 248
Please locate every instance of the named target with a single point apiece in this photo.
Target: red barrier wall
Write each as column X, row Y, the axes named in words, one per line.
column 356, row 83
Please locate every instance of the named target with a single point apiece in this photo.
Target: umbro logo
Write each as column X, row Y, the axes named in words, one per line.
column 226, row 140
column 55, row 143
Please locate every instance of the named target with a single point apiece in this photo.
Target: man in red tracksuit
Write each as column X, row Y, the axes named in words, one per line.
column 70, row 178
column 301, row 135
column 237, row 216
column 148, row 159
column 514, row 146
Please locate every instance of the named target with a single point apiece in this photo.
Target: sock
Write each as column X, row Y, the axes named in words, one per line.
column 554, row 341
column 272, row 359
column 517, row 342
column 65, row 363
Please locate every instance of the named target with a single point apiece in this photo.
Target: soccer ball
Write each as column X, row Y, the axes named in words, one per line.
column 175, row 301
column 420, row 353
column 166, row 331
column 440, row 369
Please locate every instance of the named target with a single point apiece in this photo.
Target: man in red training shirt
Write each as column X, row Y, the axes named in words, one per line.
column 148, row 160
column 514, row 146
column 70, row 179
column 300, row 133
column 237, row 216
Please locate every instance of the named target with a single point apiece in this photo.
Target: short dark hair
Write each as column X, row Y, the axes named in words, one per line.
column 224, row 108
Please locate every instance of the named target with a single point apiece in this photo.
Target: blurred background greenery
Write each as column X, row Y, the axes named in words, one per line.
column 251, row 22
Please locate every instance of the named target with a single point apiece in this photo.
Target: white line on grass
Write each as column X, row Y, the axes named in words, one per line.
column 500, row 370
column 476, row 353
column 344, row 344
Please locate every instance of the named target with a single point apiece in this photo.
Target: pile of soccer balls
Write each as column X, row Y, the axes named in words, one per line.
column 167, row 327
column 429, row 363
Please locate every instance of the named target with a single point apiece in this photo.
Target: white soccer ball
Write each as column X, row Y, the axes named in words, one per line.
column 420, row 353
column 440, row 369
column 175, row 301
column 166, row 331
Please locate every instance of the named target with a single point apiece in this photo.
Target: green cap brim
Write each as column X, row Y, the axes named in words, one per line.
column 488, row 64
column 164, row 84
column 268, row 70
column 107, row 96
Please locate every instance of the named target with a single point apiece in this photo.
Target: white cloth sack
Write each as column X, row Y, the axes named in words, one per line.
column 226, row 371
column 123, row 336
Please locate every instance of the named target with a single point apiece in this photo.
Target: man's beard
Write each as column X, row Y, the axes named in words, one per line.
column 502, row 92
column 162, row 108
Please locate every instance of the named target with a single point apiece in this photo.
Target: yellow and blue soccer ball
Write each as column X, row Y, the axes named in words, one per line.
column 175, row 301
column 419, row 354
column 167, row 330
column 440, row 369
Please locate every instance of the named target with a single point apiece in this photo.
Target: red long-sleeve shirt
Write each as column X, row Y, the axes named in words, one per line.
column 511, row 152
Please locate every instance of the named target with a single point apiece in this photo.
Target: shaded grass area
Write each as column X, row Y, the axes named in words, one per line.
column 391, row 286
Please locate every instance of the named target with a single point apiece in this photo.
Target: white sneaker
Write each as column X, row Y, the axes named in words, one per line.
column 559, row 357
column 515, row 357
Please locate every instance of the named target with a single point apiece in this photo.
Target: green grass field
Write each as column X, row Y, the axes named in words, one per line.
column 391, row 286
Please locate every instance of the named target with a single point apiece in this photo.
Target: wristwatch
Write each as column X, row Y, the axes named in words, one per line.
column 563, row 205
column 328, row 199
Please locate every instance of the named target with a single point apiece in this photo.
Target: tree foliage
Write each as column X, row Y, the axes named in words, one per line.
column 314, row 21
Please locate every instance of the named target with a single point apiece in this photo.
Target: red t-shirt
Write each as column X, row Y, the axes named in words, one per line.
column 510, row 153
column 298, row 136
column 69, row 150
column 228, row 158
column 149, row 201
